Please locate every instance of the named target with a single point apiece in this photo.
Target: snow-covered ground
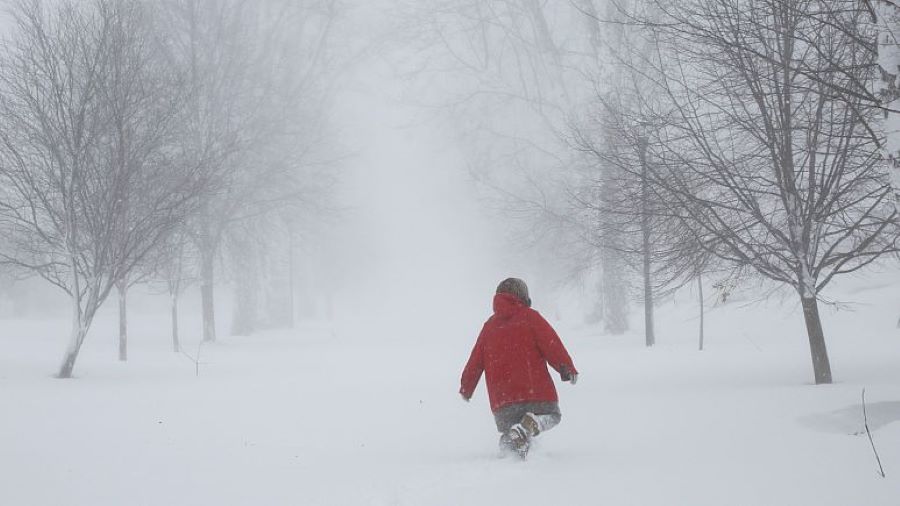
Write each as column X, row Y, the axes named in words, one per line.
column 367, row 414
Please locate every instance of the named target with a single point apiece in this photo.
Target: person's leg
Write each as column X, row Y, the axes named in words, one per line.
column 544, row 416
column 509, row 415
column 520, row 423
column 505, row 418
column 537, row 424
column 540, row 417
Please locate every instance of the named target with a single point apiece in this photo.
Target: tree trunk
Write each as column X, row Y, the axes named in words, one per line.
column 244, row 317
column 645, row 247
column 700, row 290
column 615, row 296
column 207, row 265
column 122, row 290
column 245, row 264
column 592, row 23
column 542, row 31
column 176, row 346
column 291, row 302
column 79, row 331
column 596, row 315
column 821, row 365
column 649, row 336
column 65, row 371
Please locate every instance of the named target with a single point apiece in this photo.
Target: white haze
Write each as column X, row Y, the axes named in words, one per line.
column 355, row 401
column 418, row 243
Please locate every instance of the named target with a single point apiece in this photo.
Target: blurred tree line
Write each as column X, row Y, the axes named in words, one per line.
column 160, row 141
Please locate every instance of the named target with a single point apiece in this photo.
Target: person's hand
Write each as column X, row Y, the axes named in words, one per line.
column 566, row 375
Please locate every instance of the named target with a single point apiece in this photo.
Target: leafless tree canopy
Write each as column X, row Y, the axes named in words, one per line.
column 634, row 146
column 728, row 136
column 128, row 126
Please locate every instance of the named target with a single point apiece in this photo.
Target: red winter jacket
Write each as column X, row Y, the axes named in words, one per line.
column 513, row 351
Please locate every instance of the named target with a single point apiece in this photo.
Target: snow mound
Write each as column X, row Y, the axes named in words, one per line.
column 849, row 420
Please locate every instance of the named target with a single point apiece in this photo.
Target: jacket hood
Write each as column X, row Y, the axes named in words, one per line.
column 506, row 305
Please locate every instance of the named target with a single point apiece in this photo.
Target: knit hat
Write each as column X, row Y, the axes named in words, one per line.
column 517, row 287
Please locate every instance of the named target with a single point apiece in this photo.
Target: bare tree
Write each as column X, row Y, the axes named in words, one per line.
column 141, row 96
column 173, row 266
column 632, row 215
column 510, row 75
column 766, row 160
column 257, row 75
column 87, row 188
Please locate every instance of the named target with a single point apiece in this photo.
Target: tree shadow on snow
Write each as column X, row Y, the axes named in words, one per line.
column 849, row 420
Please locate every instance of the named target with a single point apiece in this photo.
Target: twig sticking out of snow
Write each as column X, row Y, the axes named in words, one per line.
column 751, row 342
column 195, row 359
column 869, row 433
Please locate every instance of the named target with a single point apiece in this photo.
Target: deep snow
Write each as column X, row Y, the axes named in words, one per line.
column 365, row 413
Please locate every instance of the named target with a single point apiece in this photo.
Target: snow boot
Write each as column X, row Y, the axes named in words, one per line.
column 520, row 441
column 519, row 437
column 507, row 447
column 531, row 424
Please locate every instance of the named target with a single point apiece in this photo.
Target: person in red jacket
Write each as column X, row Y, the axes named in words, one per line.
column 513, row 350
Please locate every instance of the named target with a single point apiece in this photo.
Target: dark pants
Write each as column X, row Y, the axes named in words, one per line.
column 548, row 415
